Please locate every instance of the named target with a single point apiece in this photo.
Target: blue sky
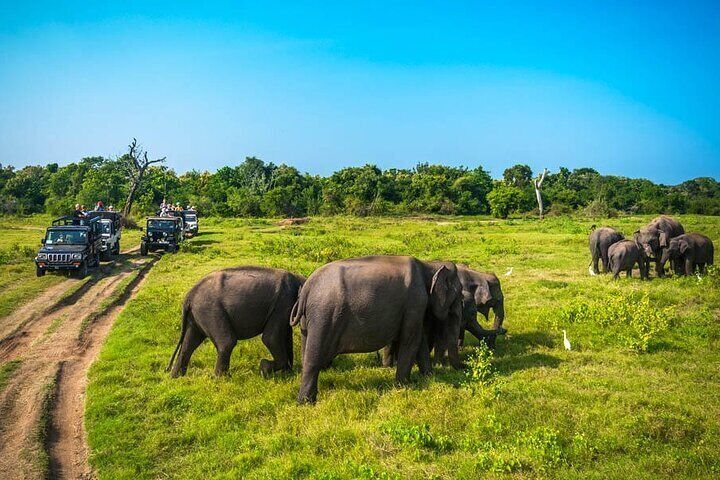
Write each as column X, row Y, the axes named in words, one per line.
column 629, row 88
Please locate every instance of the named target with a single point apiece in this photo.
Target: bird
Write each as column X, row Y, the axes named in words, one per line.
column 591, row 271
column 509, row 272
column 566, row 342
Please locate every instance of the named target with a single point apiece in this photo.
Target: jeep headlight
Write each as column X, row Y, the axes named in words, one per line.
column 77, row 256
column 42, row 256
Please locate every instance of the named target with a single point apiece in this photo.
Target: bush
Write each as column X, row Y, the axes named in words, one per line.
column 635, row 321
column 504, row 199
column 479, row 371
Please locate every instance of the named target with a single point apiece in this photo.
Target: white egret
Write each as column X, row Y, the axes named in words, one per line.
column 509, row 272
column 566, row 342
column 592, row 273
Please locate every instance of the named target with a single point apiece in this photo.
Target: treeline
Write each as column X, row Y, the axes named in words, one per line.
column 256, row 188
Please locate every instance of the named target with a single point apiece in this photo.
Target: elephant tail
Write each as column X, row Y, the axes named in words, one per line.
column 298, row 309
column 295, row 317
column 187, row 317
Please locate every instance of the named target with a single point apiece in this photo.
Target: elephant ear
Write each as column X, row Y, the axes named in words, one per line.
column 663, row 239
column 439, row 289
column 684, row 246
column 482, row 293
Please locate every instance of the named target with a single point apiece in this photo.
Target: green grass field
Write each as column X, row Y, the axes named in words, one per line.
column 606, row 409
column 637, row 397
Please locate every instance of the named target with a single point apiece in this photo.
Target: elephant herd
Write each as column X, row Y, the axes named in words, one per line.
column 403, row 306
column 662, row 240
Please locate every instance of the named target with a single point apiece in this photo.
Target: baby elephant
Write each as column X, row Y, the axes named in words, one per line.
column 623, row 256
column 689, row 251
column 237, row 304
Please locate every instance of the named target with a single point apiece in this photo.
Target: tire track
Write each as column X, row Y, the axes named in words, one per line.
column 29, row 423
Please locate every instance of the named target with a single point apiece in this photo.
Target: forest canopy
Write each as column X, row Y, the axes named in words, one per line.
column 256, row 188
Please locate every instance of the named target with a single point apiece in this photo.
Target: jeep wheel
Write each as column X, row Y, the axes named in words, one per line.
column 39, row 272
column 116, row 248
column 105, row 255
column 82, row 271
column 143, row 248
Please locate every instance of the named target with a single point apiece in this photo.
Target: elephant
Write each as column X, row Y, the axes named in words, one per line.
column 360, row 305
column 688, row 251
column 623, row 256
column 237, row 304
column 481, row 292
column 655, row 237
column 600, row 241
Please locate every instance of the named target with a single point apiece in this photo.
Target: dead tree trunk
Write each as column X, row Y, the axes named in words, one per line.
column 136, row 163
column 537, row 183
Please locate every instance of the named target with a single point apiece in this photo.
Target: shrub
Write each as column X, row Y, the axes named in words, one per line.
column 635, row 321
column 504, row 199
column 479, row 369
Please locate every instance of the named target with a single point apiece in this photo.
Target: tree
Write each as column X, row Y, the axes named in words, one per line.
column 537, row 183
column 504, row 199
column 135, row 162
column 518, row 176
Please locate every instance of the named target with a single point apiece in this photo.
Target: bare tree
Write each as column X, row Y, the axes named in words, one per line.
column 537, row 183
column 136, row 162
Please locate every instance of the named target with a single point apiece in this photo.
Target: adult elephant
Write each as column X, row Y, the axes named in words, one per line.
column 655, row 237
column 481, row 293
column 689, row 251
column 236, row 304
column 599, row 243
column 363, row 304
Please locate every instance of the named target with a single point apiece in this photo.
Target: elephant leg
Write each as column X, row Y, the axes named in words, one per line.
column 224, row 347
column 278, row 340
column 659, row 268
column 595, row 261
column 423, row 357
column 193, row 338
column 388, row 356
column 318, row 353
column 628, row 272
column 703, row 268
column 411, row 336
column 605, row 263
column 689, row 267
column 461, row 340
column 309, row 383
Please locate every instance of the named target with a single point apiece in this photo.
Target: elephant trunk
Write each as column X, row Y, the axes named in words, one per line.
column 499, row 310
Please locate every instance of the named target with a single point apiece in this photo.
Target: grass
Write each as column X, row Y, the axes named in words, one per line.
column 6, row 371
column 19, row 243
column 638, row 397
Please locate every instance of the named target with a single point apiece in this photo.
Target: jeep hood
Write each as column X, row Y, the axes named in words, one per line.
column 63, row 249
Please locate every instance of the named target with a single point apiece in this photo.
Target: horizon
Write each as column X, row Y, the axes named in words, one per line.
column 628, row 90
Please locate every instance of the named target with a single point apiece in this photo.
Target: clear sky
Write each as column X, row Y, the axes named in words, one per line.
column 629, row 88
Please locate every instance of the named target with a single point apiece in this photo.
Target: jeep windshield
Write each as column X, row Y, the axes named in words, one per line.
column 161, row 225
column 190, row 218
column 66, row 237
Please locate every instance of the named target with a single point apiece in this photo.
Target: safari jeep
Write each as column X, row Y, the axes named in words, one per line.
column 162, row 233
column 191, row 222
column 111, row 233
column 70, row 245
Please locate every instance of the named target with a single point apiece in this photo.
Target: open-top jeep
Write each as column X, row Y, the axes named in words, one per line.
column 111, row 233
column 71, row 245
column 191, row 222
column 162, row 233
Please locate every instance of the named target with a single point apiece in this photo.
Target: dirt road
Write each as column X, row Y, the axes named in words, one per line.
column 55, row 338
